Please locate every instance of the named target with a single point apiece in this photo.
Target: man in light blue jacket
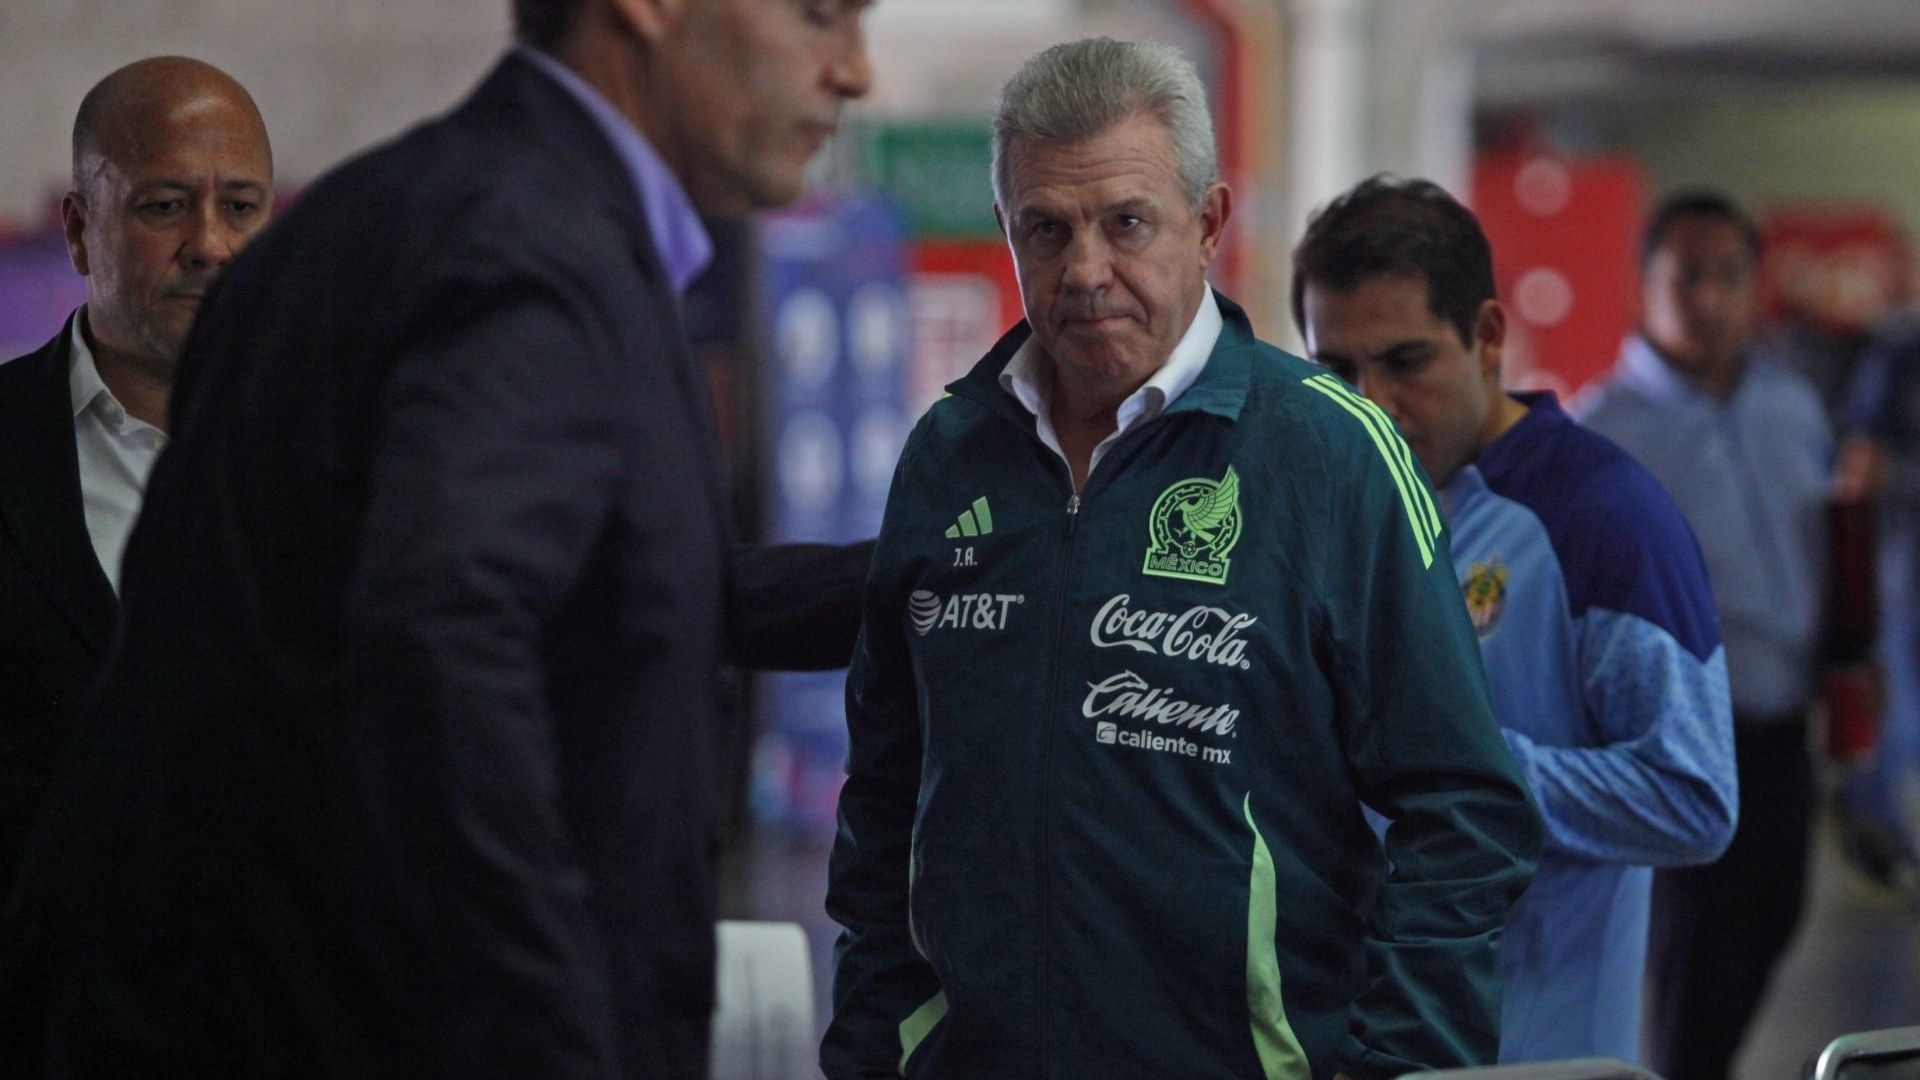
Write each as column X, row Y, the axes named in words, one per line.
column 1584, row 583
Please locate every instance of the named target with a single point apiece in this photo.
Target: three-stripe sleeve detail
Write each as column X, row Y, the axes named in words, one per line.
column 1422, row 515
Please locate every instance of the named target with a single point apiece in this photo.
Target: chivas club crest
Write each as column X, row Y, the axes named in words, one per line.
column 1486, row 591
column 1194, row 524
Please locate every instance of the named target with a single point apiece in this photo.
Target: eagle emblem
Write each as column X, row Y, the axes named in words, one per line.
column 1193, row 527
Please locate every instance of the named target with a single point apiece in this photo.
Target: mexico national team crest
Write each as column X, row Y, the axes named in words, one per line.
column 1486, row 591
column 1193, row 526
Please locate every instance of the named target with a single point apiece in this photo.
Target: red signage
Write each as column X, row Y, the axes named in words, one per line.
column 964, row 296
column 1564, row 234
column 1835, row 266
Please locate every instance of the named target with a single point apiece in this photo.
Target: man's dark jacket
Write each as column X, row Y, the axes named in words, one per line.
column 56, row 605
column 407, row 759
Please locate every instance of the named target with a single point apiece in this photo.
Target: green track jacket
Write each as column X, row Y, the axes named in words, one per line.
column 1103, row 809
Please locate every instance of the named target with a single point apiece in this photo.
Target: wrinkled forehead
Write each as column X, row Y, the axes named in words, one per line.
column 1130, row 162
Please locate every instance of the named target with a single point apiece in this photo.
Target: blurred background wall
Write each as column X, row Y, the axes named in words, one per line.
column 331, row 77
column 1780, row 102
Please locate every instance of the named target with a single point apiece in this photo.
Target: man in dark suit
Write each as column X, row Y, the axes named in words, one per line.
column 171, row 175
column 406, row 761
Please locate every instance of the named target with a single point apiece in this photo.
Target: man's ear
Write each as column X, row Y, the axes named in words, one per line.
column 1490, row 334
column 73, row 221
column 650, row 20
column 1216, row 206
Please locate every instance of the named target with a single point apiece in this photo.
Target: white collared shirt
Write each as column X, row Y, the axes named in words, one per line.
column 1029, row 378
column 117, row 451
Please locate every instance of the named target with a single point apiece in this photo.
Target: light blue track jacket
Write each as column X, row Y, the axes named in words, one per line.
column 1597, row 626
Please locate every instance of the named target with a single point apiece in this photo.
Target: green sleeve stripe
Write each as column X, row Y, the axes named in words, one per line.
column 1399, row 445
column 1281, row 1057
column 1380, row 423
column 1414, row 517
column 1406, row 462
column 915, row 1029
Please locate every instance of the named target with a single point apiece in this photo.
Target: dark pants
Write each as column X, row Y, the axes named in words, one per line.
column 1718, row 930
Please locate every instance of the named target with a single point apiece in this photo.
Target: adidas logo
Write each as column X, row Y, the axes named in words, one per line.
column 975, row 522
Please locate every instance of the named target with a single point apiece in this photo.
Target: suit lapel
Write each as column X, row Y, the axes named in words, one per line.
column 697, row 392
column 688, row 374
column 40, row 500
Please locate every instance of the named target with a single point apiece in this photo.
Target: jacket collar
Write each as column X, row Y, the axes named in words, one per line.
column 1221, row 389
column 40, row 499
column 1516, row 446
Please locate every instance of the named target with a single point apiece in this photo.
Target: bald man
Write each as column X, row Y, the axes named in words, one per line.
column 172, row 174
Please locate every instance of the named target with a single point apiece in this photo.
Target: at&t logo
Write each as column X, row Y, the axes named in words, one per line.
column 968, row 611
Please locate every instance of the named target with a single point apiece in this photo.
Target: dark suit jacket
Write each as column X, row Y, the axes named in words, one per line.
column 56, row 605
column 406, row 762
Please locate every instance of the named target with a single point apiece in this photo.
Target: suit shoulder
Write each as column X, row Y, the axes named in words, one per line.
column 27, row 368
column 447, row 191
column 38, row 376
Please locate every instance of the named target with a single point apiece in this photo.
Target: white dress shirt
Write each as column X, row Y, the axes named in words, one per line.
column 1029, row 378
column 117, row 452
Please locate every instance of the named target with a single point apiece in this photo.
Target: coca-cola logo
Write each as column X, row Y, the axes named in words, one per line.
column 1205, row 633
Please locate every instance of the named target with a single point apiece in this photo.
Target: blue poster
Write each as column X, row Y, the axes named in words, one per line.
column 832, row 291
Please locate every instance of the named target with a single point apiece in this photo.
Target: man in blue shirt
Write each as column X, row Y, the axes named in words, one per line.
column 1743, row 444
column 1587, row 588
column 1880, row 459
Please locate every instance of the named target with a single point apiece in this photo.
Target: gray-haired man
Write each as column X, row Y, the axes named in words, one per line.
column 1156, row 609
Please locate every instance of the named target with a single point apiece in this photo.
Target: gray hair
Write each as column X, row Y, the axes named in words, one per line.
column 1077, row 90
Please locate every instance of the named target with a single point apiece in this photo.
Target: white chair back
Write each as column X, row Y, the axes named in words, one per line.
column 763, row 1018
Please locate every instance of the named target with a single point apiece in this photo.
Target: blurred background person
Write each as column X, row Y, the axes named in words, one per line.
column 1880, row 461
column 172, row 174
column 407, row 760
column 1741, row 441
column 1586, row 587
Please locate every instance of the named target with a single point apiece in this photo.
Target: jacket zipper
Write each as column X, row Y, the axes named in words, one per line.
column 1047, row 732
column 1051, row 717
